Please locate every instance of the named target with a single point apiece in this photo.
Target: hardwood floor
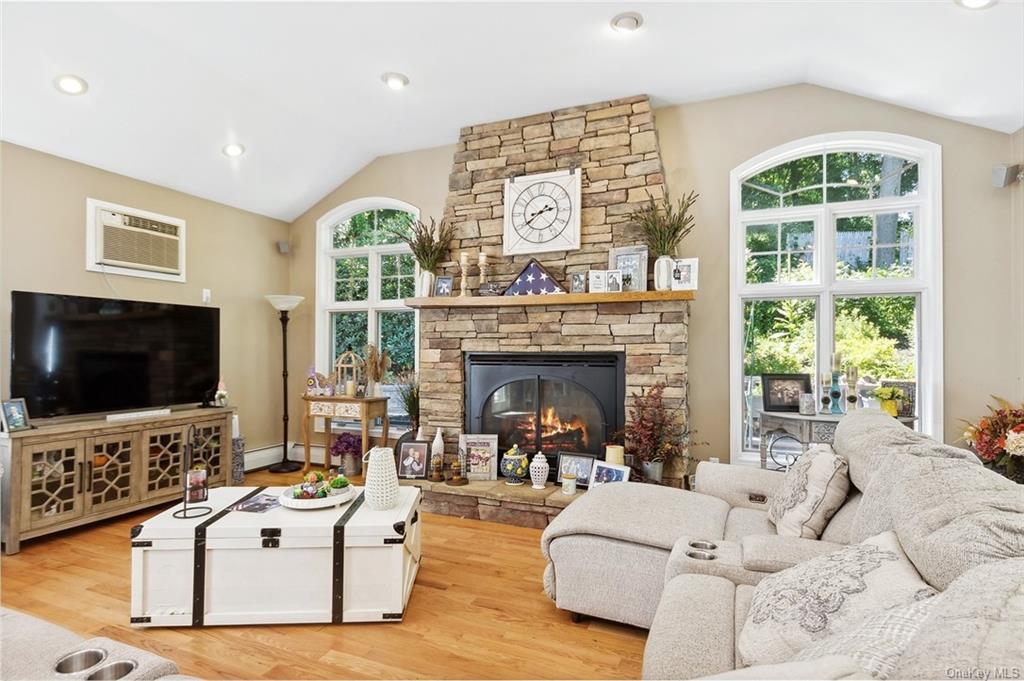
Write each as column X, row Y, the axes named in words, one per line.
column 477, row 612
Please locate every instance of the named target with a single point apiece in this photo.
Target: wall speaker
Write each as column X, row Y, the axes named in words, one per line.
column 283, row 247
column 1004, row 175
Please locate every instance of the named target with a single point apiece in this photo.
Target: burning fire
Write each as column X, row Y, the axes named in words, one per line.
column 553, row 428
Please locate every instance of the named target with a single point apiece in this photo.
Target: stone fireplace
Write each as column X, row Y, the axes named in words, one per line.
column 546, row 402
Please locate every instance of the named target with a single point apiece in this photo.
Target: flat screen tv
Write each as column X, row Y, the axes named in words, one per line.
column 77, row 355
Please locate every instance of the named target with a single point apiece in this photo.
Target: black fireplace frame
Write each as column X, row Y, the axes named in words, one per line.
column 480, row 383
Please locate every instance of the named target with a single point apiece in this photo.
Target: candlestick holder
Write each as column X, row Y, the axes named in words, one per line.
column 835, row 393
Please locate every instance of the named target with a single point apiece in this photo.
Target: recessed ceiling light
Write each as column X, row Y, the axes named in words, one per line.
column 70, row 84
column 395, row 81
column 976, row 4
column 233, row 150
column 627, row 22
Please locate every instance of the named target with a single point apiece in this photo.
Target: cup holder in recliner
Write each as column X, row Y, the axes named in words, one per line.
column 703, row 545
column 79, row 661
column 700, row 555
column 114, row 670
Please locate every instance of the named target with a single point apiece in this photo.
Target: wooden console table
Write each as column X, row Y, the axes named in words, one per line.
column 63, row 473
column 805, row 429
column 362, row 409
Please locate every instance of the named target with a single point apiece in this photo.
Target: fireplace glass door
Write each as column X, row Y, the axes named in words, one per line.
column 546, row 415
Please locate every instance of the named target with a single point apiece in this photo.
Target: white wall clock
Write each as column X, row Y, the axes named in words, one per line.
column 542, row 213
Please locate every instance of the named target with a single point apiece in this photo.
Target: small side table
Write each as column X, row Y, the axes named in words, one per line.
column 805, row 429
column 362, row 409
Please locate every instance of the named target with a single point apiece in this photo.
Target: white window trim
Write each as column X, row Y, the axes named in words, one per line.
column 926, row 283
column 325, row 255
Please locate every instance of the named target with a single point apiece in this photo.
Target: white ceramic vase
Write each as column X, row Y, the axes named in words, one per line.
column 539, row 470
column 663, row 273
column 381, row 479
column 425, row 284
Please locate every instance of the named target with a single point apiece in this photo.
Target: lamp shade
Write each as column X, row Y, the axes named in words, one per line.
column 284, row 303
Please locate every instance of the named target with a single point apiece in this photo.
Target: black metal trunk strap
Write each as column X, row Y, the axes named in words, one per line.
column 199, row 560
column 338, row 557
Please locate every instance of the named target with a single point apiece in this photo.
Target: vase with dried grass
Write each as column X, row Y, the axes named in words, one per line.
column 429, row 245
column 377, row 364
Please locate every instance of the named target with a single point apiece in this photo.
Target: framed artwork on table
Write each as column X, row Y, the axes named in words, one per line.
column 608, row 472
column 574, row 462
column 684, row 274
column 15, row 415
column 480, row 452
column 413, row 459
column 597, row 281
column 579, row 282
column 613, row 281
column 632, row 262
column 782, row 391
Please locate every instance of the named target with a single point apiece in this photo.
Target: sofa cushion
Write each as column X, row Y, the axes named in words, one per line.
column 832, row 667
column 811, row 492
column 878, row 642
column 817, row 598
column 744, row 595
column 954, row 516
column 772, row 553
column 839, row 528
column 642, row 514
column 743, row 522
column 866, row 435
column 975, row 626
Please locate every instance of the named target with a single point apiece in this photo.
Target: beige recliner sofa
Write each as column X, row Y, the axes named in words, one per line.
column 657, row 541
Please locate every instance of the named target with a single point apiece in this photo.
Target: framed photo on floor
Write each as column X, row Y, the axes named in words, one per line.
column 574, row 462
column 781, row 392
column 608, row 472
column 480, row 452
column 413, row 460
column 15, row 415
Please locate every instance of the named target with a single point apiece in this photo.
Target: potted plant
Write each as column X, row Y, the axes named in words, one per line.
column 409, row 396
column 663, row 226
column 890, row 399
column 654, row 435
column 429, row 245
column 347, row 446
column 998, row 439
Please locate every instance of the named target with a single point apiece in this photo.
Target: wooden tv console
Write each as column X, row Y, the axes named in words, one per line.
column 66, row 473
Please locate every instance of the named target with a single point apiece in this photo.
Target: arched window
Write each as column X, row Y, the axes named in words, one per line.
column 364, row 273
column 836, row 244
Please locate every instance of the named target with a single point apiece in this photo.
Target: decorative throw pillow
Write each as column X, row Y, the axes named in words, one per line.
column 813, row 490
column 820, row 597
column 878, row 642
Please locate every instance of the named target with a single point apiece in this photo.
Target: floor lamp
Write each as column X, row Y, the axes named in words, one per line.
column 284, row 304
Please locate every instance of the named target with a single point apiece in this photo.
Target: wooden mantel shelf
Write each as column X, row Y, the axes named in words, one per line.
column 557, row 299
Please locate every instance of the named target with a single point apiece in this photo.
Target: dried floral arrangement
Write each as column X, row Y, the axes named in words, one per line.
column 663, row 225
column 377, row 363
column 653, row 433
column 999, row 439
column 429, row 244
column 409, row 395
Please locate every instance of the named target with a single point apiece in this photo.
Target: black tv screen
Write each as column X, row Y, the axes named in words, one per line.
column 77, row 355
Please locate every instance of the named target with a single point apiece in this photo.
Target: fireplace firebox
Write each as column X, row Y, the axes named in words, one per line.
column 546, row 402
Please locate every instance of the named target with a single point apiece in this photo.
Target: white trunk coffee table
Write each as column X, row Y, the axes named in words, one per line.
column 341, row 564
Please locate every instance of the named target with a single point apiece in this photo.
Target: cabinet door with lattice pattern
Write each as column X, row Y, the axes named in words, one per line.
column 108, row 472
column 164, row 452
column 52, row 479
column 212, row 449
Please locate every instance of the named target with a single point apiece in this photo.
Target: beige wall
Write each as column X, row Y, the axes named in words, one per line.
column 230, row 251
column 419, row 178
column 1017, row 239
column 700, row 144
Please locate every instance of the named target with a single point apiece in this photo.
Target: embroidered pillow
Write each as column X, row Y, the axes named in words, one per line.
column 813, row 490
column 878, row 643
column 825, row 595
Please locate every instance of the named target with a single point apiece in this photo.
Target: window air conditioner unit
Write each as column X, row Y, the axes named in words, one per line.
column 133, row 242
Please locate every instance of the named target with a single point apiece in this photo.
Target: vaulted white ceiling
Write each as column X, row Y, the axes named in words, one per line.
column 299, row 84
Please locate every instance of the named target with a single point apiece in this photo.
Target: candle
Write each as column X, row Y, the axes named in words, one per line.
column 837, row 361
column 350, row 388
column 615, row 454
column 568, row 484
column 482, row 261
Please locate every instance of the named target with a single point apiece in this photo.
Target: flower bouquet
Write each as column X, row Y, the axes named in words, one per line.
column 890, row 398
column 998, row 439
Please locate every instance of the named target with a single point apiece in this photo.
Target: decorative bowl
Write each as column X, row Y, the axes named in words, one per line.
column 342, row 496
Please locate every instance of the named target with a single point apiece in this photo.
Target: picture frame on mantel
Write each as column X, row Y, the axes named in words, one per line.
column 632, row 261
